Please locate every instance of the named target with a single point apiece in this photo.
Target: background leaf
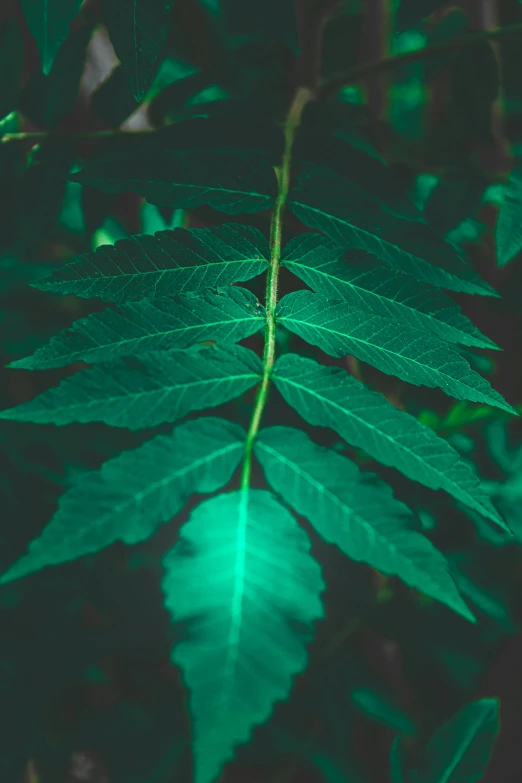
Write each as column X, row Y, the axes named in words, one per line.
column 509, row 223
column 460, row 749
column 138, row 29
column 49, row 23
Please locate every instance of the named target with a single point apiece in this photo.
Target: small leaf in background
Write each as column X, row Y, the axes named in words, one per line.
column 130, row 495
column 509, row 222
column 47, row 99
column 49, row 21
column 411, row 12
column 138, row 30
column 243, row 580
column 460, row 749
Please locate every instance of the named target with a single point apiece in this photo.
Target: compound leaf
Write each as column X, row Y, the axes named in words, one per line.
column 138, row 30
column 49, row 22
column 130, row 495
column 243, row 578
column 509, row 222
column 158, row 387
column 412, row 355
column 226, row 316
column 359, row 279
column 355, row 220
column 354, row 510
column 330, row 397
column 169, row 263
column 460, row 749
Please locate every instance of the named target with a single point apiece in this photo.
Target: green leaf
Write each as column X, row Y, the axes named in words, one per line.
column 244, row 580
column 509, row 223
column 226, row 162
column 138, row 30
column 231, row 182
column 130, row 495
column 227, row 316
column 359, row 279
column 48, row 21
column 411, row 12
column 410, row 354
column 355, row 511
column 47, row 100
column 157, row 387
column 460, row 750
column 398, row 774
column 172, row 262
column 330, row 397
column 355, row 220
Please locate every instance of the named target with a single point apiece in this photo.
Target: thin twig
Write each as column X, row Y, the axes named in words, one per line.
column 355, row 75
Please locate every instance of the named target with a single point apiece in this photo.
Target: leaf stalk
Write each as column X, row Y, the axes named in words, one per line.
column 302, row 96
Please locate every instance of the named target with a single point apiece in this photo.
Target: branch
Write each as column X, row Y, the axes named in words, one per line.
column 354, row 75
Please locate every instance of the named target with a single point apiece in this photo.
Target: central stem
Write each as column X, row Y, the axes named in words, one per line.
column 302, row 97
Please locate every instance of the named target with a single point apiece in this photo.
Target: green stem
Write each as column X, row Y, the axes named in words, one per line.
column 302, row 97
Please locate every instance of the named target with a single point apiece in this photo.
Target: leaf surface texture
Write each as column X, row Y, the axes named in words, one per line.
column 412, row 355
column 244, row 580
column 169, row 263
column 330, row 397
column 157, row 387
column 355, row 511
column 357, row 221
column 130, row 495
column 162, row 324
column 359, row 279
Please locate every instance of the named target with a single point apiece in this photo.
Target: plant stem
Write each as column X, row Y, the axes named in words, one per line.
column 302, row 96
column 43, row 135
column 330, row 87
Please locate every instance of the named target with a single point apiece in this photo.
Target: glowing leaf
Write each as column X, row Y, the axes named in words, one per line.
column 243, row 580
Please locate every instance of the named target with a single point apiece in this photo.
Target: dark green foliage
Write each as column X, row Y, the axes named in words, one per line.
column 161, row 162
